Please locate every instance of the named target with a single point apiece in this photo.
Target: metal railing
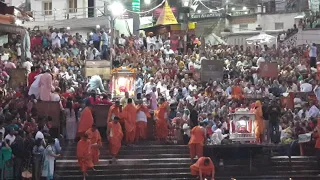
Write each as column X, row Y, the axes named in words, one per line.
column 70, row 13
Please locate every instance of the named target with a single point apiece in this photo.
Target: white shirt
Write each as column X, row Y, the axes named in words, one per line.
column 313, row 51
column 55, row 97
column 10, row 138
column 313, row 112
column 305, row 87
column 27, row 65
column 260, row 60
column 148, row 87
column 141, row 116
column 122, row 41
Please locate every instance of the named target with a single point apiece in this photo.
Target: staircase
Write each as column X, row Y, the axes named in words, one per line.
column 171, row 162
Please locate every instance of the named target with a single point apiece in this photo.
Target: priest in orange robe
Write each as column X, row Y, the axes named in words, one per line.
column 115, row 135
column 237, row 92
column 142, row 119
column 161, row 117
column 84, row 155
column 129, row 116
column 86, row 120
column 196, row 142
column 114, row 111
column 204, row 168
column 95, row 139
column 259, row 122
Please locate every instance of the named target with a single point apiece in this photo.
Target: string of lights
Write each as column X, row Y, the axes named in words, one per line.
column 144, row 12
column 211, row 10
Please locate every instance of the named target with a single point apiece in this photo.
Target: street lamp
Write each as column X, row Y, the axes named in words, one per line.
column 116, row 9
column 147, row 2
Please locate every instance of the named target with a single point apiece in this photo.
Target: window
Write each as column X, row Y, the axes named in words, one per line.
column 278, row 26
column 243, row 27
column 73, row 5
column 47, row 7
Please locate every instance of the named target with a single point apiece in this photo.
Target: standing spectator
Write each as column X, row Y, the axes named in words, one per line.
column 6, row 162
column 274, row 112
column 71, row 120
column 37, row 154
column 27, row 65
column 49, row 157
column 104, row 45
column 313, row 55
column 17, row 151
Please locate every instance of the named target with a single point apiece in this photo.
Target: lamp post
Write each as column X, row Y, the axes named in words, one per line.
column 116, row 9
column 186, row 11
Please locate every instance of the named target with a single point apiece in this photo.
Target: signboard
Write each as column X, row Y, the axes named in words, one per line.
column 101, row 67
column 206, row 15
column 268, row 70
column 18, row 77
column 211, row 69
column 157, row 12
column 136, row 5
column 303, row 138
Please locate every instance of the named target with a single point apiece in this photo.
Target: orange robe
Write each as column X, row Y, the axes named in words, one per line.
column 237, row 92
column 95, row 138
column 129, row 116
column 199, row 165
column 115, row 137
column 86, row 121
column 196, row 142
column 84, row 155
column 141, row 126
column 161, row 121
column 113, row 111
column 259, row 123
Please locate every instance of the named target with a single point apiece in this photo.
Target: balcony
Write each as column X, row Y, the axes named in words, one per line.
column 74, row 18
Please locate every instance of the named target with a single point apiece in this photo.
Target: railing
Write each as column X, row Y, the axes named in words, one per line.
column 71, row 13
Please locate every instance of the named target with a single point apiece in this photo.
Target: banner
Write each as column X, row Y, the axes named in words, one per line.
column 211, row 69
column 3, row 40
column 268, row 70
column 303, row 138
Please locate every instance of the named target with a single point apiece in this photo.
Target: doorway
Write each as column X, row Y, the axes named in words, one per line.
column 91, row 8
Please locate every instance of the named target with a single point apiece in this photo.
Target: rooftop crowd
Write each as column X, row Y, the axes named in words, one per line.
column 167, row 83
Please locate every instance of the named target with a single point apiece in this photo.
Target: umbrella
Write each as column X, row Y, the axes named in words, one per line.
column 261, row 38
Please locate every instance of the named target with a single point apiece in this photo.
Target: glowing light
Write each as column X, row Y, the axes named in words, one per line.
column 98, row 26
column 199, row 11
column 117, row 9
column 186, row 4
column 232, row 9
column 210, row 10
column 18, row 22
column 91, row 33
column 244, row 8
column 68, row 28
column 147, row 2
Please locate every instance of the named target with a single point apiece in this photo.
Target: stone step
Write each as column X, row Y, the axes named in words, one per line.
column 180, row 176
column 138, row 156
column 137, row 151
column 68, row 162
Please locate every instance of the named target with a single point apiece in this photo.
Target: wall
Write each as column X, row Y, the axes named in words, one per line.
column 14, row 2
column 308, row 37
column 240, row 38
column 267, row 22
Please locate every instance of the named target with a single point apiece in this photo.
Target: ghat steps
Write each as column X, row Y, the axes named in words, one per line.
column 164, row 162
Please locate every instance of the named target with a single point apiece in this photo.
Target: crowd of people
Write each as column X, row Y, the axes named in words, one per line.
column 167, row 87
